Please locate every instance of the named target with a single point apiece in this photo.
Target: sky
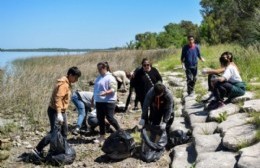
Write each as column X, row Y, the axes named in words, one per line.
column 91, row 24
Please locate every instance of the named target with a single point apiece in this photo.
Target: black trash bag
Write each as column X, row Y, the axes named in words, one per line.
column 154, row 140
column 60, row 153
column 64, row 158
column 119, row 145
column 178, row 137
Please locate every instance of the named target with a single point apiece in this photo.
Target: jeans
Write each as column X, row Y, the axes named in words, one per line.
column 93, row 122
column 52, row 113
column 191, row 74
column 221, row 90
column 81, row 108
column 106, row 110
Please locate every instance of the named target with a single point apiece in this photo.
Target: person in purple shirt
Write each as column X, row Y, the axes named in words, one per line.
column 189, row 58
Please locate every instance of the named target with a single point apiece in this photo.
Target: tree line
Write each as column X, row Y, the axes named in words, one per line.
column 224, row 21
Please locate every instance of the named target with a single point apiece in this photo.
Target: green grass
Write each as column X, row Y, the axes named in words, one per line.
column 222, row 117
column 200, row 91
column 7, row 129
column 256, row 121
column 243, row 144
column 137, row 137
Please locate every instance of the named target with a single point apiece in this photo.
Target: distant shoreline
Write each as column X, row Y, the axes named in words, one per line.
column 57, row 50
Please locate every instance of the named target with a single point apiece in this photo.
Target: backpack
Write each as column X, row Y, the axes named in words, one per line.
column 153, row 144
column 119, row 145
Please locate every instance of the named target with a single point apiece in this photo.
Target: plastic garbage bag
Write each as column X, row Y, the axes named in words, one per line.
column 154, row 140
column 119, row 145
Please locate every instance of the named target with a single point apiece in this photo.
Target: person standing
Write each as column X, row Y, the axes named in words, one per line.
column 189, row 58
column 144, row 79
column 160, row 101
column 57, row 108
column 105, row 97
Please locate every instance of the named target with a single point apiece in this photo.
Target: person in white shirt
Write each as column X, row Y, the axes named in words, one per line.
column 229, row 85
column 122, row 78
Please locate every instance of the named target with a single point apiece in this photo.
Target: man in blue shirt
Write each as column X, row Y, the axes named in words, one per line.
column 189, row 58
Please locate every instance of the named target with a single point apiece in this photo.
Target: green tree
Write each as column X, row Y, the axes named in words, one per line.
column 146, row 40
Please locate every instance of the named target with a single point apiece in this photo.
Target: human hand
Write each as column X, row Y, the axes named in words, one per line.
column 163, row 126
column 103, row 93
column 59, row 117
column 202, row 59
column 204, row 71
column 142, row 122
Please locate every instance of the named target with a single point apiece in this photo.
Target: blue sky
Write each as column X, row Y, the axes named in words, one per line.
column 87, row 23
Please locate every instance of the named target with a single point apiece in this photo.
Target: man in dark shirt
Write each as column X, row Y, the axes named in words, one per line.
column 160, row 101
column 189, row 58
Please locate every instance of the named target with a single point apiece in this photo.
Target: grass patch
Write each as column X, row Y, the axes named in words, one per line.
column 243, row 144
column 7, row 129
column 256, row 121
column 255, row 89
column 171, row 61
column 222, row 117
column 200, row 91
column 178, row 93
column 137, row 137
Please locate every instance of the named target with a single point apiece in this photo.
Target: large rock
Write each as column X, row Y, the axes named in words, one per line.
column 237, row 137
column 204, row 128
column 233, row 121
column 190, row 98
column 207, row 143
column 179, row 124
column 198, row 117
column 229, row 109
column 174, row 81
column 252, row 106
column 192, row 107
column 249, row 157
column 245, row 97
column 177, row 74
column 183, row 156
column 216, row 160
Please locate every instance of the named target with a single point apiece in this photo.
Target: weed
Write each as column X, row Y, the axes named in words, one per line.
column 222, row 117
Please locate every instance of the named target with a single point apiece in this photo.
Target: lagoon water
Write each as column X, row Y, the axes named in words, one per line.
column 7, row 57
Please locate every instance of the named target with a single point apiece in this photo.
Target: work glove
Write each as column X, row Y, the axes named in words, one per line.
column 142, row 122
column 60, row 118
column 202, row 59
column 163, row 126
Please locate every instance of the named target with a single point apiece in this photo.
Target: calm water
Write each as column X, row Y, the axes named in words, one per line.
column 7, row 57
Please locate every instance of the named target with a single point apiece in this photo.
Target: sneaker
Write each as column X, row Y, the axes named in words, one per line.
column 217, row 105
column 210, row 98
column 37, row 154
column 100, row 140
column 76, row 131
